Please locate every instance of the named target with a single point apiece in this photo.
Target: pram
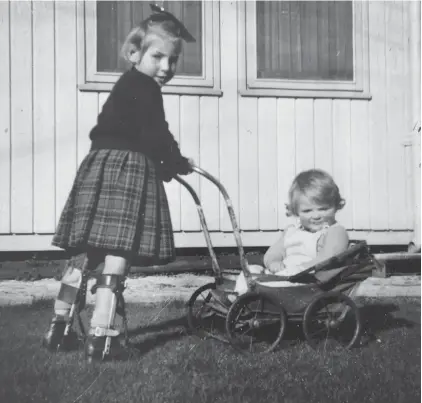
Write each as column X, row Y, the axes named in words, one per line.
column 320, row 299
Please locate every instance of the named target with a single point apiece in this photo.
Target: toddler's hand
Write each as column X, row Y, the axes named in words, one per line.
column 276, row 267
column 256, row 269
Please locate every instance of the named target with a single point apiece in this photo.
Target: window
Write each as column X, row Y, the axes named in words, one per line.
column 103, row 26
column 305, row 49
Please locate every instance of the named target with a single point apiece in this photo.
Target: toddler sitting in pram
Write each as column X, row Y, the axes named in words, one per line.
column 314, row 199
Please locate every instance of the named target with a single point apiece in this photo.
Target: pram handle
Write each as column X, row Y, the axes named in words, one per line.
column 236, row 230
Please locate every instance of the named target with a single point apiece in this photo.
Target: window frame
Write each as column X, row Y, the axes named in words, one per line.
column 92, row 80
column 250, row 85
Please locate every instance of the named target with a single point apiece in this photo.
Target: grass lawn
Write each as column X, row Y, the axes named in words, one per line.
column 173, row 366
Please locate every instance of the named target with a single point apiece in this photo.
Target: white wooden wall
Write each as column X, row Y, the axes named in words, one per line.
column 254, row 145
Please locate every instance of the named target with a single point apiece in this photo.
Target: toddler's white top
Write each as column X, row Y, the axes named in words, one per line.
column 301, row 247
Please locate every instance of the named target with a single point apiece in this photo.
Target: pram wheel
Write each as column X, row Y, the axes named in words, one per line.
column 332, row 320
column 201, row 316
column 256, row 323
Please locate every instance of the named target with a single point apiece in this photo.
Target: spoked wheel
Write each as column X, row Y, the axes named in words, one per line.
column 255, row 323
column 201, row 316
column 332, row 320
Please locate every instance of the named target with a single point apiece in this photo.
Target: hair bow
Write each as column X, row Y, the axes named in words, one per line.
column 162, row 15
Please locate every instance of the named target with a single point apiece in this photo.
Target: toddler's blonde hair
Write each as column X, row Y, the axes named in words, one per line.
column 318, row 186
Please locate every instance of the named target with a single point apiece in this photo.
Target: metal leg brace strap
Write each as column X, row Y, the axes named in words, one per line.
column 75, row 295
column 116, row 284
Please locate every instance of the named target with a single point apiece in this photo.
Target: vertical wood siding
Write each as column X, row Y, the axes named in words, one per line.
column 43, row 122
column 395, row 88
column 255, row 146
column 378, row 174
column 21, row 102
column 267, row 163
column 209, row 160
column 68, row 101
column 5, row 123
column 286, row 152
column 342, row 158
column 229, row 172
column 248, row 161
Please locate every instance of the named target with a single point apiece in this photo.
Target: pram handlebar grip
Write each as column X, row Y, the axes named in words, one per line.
column 229, row 205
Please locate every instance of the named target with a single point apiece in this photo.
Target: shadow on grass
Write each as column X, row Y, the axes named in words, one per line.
column 158, row 327
column 154, row 341
column 377, row 318
column 167, row 330
column 163, row 332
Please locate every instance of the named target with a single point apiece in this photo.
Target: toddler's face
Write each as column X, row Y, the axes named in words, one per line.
column 314, row 216
column 159, row 60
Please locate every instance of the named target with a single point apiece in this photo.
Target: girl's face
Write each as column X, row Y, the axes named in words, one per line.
column 159, row 60
column 314, row 216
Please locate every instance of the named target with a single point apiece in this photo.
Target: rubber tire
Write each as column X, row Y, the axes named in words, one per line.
column 249, row 297
column 342, row 298
column 190, row 316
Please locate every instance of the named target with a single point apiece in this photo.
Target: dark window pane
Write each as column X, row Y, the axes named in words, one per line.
column 305, row 40
column 115, row 19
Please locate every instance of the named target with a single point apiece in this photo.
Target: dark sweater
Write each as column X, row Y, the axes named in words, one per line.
column 133, row 119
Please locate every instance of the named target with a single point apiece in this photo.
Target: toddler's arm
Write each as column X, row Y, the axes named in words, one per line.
column 273, row 258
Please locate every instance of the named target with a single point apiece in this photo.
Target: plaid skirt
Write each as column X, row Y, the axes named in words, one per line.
column 117, row 203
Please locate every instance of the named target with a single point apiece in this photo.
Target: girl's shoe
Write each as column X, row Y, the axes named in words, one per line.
column 55, row 340
column 95, row 346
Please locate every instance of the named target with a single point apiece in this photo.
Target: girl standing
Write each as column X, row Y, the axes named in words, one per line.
column 117, row 211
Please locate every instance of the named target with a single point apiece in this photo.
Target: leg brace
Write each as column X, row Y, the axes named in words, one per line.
column 115, row 284
column 109, row 286
column 74, row 287
column 73, row 292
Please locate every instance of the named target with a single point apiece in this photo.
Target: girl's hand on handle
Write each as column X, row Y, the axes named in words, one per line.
column 191, row 162
column 186, row 166
column 183, row 166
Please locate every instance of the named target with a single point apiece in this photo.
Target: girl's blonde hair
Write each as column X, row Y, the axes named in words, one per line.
column 318, row 186
column 141, row 37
